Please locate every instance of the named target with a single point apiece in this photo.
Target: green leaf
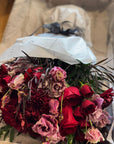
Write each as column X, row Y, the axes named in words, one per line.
column 70, row 139
column 12, row 132
column 6, row 134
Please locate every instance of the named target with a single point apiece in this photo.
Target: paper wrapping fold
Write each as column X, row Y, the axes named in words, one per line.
column 68, row 49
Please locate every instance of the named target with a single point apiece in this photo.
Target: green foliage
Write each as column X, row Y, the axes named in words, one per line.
column 7, row 130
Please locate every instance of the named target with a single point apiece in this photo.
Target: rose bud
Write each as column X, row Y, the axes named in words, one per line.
column 94, row 136
column 68, row 125
column 107, row 96
column 71, row 96
column 87, row 107
column 86, row 91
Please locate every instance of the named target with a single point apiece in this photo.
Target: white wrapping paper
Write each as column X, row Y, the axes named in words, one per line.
column 68, row 49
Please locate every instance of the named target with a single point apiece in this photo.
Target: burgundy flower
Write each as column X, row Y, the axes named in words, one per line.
column 86, row 91
column 68, row 125
column 71, row 96
column 107, row 96
column 87, row 107
column 94, row 136
column 58, row 73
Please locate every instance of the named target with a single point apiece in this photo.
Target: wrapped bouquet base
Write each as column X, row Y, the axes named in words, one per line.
column 58, row 98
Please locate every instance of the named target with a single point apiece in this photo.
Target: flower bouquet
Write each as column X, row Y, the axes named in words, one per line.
column 54, row 100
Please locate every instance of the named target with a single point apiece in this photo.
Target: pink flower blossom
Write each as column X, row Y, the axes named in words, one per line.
column 56, row 89
column 16, row 82
column 93, row 135
column 97, row 100
column 48, row 127
column 99, row 118
column 54, row 104
column 58, row 73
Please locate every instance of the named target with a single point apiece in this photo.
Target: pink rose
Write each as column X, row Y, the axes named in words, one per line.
column 93, row 135
column 58, row 74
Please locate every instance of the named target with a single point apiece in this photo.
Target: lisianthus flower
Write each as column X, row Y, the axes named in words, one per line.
column 97, row 100
column 99, row 118
column 55, row 138
column 54, row 104
column 46, row 126
column 86, row 91
column 107, row 96
column 56, row 89
column 58, row 73
column 93, row 135
column 16, row 82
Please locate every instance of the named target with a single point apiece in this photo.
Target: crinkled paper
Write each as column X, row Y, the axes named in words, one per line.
column 70, row 49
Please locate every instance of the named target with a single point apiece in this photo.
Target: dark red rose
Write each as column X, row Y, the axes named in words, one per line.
column 78, row 115
column 87, row 107
column 79, row 135
column 71, row 96
column 107, row 96
column 86, row 91
column 68, row 125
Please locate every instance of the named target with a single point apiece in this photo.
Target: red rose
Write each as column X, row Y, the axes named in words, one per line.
column 68, row 125
column 86, row 91
column 107, row 96
column 71, row 96
column 78, row 115
column 81, row 118
column 87, row 107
